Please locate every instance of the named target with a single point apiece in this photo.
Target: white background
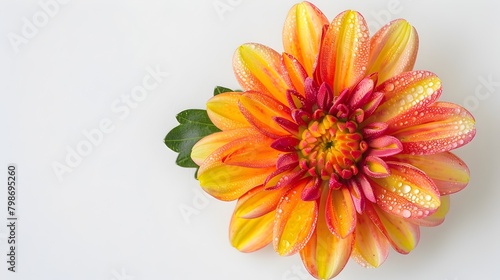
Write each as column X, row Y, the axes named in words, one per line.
column 117, row 214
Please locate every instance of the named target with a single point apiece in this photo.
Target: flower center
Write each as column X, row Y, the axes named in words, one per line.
column 330, row 146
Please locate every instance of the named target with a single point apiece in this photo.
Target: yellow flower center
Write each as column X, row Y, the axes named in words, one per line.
column 331, row 146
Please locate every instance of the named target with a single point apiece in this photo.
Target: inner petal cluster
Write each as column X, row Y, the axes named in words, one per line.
column 331, row 146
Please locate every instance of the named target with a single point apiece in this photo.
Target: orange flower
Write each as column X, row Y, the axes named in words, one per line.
column 336, row 148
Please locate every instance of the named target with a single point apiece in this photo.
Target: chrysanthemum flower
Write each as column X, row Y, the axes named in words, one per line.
column 336, row 148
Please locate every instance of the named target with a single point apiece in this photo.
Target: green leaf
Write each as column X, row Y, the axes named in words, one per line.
column 194, row 125
column 219, row 90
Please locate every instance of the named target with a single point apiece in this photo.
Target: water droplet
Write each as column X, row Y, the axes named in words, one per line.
column 406, row 189
column 428, row 197
column 406, row 213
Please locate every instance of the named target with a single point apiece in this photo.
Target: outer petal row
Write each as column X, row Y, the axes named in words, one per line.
column 371, row 247
column 325, row 255
column 260, row 68
column 302, row 33
column 449, row 172
column 437, row 128
column 248, row 235
column 401, row 234
column 405, row 94
column 393, row 50
column 229, row 181
column 295, row 222
column 344, row 51
column 224, row 112
column 407, row 192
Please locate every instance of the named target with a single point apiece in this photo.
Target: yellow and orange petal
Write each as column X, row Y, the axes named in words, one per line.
column 344, row 51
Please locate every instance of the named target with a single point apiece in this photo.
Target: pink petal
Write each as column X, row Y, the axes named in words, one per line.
column 375, row 167
column 384, row 146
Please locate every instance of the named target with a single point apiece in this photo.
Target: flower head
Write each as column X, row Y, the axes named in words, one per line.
column 336, row 148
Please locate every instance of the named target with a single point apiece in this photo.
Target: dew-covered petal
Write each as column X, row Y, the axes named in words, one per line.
column 340, row 212
column 252, row 151
column 437, row 217
column 302, row 33
column 224, row 112
column 229, row 182
column 437, row 128
column 259, row 109
column 260, row 68
column 371, row 247
column 209, row 144
column 344, row 51
column 404, row 94
column 248, row 235
column 325, row 255
column 260, row 202
column 362, row 92
column 375, row 167
column 296, row 72
column 407, row 192
column 401, row 234
column 384, row 146
column 449, row 172
column 393, row 49
column 295, row 222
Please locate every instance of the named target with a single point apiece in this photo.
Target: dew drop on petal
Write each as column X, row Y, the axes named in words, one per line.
column 389, row 87
column 406, row 189
column 406, row 213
